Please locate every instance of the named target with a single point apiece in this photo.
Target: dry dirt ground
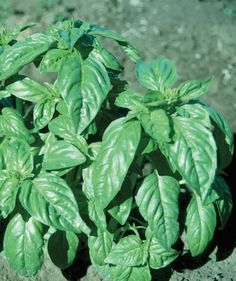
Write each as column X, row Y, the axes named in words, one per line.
column 198, row 36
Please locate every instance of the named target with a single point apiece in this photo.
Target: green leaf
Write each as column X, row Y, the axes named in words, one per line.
column 159, row 257
column 50, row 200
column 100, row 246
column 129, row 99
column 193, row 154
column 23, row 242
column 224, row 137
column 132, row 52
column 122, row 204
column 61, row 155
column 194, row 89
column 195, row 111
column 156, row 124
column 224, row 202
column 119, row 138
column 27, row 89
column 97, row 215
column 156, row 75
column 23, row 52
column 84, row 86
column 157, row 199
column 128, row 252
column 200, row 225
column 43, row 112
column 62, row 248
column 62, row 126
column 71, row 36
column 9, row 186
column 52, row 60
column 4, row 94
column 12, row 125
column 124, row 273
column 120, row 273
column 107, row 59
column 19, row 158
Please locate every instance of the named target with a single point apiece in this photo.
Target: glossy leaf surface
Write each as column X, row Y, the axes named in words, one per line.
column 119, row 138
column 84, row 86
column 50, row 200
column 23, row 242
column 128, row 252
column 193, row 153
column 100, row 246
column 156, row 75
column 200, row 225
column 61, row 155
column 23, row 52
column 157, row 199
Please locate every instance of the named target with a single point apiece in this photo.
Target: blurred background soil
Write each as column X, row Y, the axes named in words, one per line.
column 199, row 36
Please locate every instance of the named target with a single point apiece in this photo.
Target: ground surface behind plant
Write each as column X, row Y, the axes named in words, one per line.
column 198, row 36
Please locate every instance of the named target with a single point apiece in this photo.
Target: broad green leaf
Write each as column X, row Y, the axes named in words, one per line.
column 224, row 202
column 119, row 138
column 200, row 225
column 107, row 59
column 154, row 97
column 156, row 75
column 28, row 89
column 9, row 186
column 193, row 89
column 195, row 111
column 71, row 36
column 84, row 86
column 22, row 53
column 63, row 110
column 224, row 126
column 100, row 246
column 52, row 60
column 156, row 124
column 122, row 204
column 157, row 199
column 193, row 154
column 132, row 52
column 120, row 272
column 223, row 136
column 129, row 99
column 62, row 248
column 137, row 273
column 4, row 94
column 61, row 155
column 62, row 126
column 128, row 252
column 50, row 200
column 6, row 36
column 43, row 112
column 19, row 158
column 160, row 257
column 22, row 245
column 97, row 215
column 12, row 125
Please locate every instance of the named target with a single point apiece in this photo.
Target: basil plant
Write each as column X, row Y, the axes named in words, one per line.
column 88, row 162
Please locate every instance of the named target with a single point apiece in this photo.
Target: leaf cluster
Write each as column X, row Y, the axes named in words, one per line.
column 89, row 162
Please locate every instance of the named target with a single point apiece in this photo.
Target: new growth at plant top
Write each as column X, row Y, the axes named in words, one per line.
column 89, row 162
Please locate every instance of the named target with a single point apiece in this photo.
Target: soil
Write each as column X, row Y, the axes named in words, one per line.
column 200, row 38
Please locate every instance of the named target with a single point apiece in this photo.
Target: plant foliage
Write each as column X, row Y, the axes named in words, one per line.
column 87, row 161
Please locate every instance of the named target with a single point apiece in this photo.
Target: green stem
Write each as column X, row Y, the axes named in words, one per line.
column 28, row 111
column 137, row 220
column 19, row 105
